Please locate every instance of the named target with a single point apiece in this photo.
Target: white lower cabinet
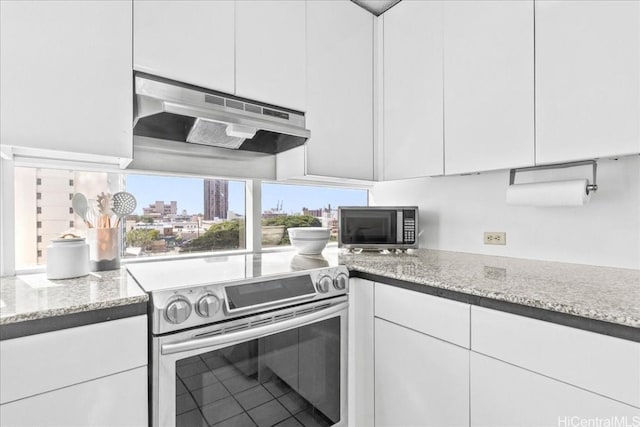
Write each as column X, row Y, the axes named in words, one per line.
column 92, row 375
column 517, row 371
column 421, row 359
column 419, row 380
column 115, row 400
column 505, row 395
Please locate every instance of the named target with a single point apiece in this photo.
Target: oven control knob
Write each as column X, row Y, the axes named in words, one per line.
column 178, row 310
column 340, row 282
column 324, row 284
column 208, row 305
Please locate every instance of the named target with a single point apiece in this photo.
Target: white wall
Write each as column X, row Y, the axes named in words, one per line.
column 456, row 210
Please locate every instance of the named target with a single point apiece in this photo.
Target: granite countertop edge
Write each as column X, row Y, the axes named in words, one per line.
column 498, row 296
column 71, row 310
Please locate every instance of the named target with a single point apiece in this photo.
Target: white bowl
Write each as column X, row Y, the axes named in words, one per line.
column 308, row 240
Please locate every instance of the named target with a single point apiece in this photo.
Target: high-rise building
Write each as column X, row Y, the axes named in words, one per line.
column 216, row 199
column 160, row 208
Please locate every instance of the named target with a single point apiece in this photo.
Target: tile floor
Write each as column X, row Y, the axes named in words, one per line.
column 212, row 392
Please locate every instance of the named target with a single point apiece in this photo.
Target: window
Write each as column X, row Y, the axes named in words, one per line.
column 176, row 215
column 285, row 206
column 173, row 215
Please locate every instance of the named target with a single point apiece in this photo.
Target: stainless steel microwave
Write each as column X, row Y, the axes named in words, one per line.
column 378, row 227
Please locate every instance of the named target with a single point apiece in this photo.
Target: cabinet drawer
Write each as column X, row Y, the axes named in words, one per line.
column 439, row 317
column 39, row 363
column 505, row 395
column 115, row 400
column 599, row 363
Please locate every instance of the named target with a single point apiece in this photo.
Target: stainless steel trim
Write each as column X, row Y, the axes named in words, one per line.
column 266, row 304
column 251, row 333
column 590, row 187
column 399, row 227
column 154, row 97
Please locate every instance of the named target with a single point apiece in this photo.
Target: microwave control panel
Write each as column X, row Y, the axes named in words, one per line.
column 409, row 226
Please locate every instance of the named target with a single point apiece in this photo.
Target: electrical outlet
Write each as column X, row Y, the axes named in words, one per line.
column 495, row 238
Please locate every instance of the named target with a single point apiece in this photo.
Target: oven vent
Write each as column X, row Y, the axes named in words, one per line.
column 262, row 322
column 237, row 327
column 320, row 307
column 304, row 311
column 210, row 333
column 283, row 316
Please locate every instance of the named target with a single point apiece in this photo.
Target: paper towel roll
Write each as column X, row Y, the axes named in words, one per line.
column 550, row 193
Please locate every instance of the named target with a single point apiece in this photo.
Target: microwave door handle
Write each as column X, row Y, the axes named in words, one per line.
column 252, row 333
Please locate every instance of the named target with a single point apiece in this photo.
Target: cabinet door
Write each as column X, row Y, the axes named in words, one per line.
column 413, row 127
column 114, row 400
column 188, row 41
column 419, row 380
column 65, row 76
column 270, row 52
column 361, row 351
column 339, row 90
column 587, row 79
column 504, row 395
column 488, row 85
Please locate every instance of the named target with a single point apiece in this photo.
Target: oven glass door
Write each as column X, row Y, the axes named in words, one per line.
column 369, row 226
column 293, row 377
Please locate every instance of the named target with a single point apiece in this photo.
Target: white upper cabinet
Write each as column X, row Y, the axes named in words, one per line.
column 65, row 76
column 188, row 41
column 587, row 79
column 488, row 85
column 271, row 52
column 339, row 90
column 413, row 127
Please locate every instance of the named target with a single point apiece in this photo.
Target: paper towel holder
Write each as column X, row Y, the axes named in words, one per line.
column 590, row 187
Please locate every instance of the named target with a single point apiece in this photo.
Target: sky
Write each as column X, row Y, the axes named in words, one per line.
column 188, row 192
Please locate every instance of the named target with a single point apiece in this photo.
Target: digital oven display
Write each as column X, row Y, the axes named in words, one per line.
column 271, row 291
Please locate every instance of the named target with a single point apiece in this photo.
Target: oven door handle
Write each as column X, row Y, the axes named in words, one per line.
column 251, row 333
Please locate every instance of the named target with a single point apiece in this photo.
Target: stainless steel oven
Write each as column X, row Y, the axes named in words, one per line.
column 254, row 351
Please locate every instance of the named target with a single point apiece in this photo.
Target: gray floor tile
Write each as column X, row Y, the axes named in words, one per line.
column 241, row 420
column 253, row 397
column 239, row 383
column 268, row 414
column 309, row 419
column 210, row 394
column 289, row 422
column 214, row 361
column 191, row 419
column 200, row 380
column 226, row 372
column 221, row 410
column 277, row 387
column 293, row 402
column 180, row 388
column 187, row 361
column 184, row 403
column 191, row 369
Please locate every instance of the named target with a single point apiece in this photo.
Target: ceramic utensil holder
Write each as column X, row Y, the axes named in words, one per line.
column 104, row 248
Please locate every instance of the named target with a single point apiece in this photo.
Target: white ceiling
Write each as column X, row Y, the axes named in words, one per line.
column 377, row 7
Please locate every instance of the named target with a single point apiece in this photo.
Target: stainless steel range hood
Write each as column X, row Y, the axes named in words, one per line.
column 175, row 111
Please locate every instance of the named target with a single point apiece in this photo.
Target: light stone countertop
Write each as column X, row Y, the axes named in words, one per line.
column 600, row 293
column 31, row 297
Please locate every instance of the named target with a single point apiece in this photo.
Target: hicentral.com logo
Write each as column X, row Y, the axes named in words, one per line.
column 615, row 421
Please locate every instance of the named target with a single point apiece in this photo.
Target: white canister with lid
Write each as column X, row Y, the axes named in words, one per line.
column 67, row 258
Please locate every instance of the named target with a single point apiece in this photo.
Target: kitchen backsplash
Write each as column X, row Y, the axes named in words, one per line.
column 456, row 210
